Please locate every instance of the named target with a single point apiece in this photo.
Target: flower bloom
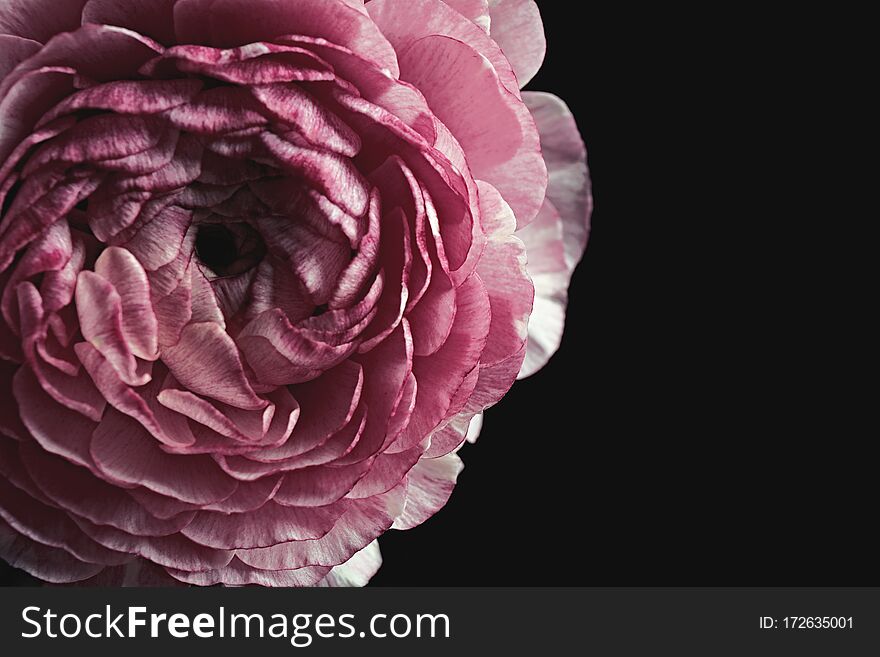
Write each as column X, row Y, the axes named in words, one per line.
column 263, row 264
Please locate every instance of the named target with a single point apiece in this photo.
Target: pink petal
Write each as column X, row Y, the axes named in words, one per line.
column 430, row 484
column 502, row 269
column 319, row 485
column 405, row 23
column 440, row 375
column 227, row 23
column 362, row 523
column 78, row 491
column 124, row 272
column 238, row 574
column 358, row 570
column 569, row 181
column 100, row 316
column 476, row 11
column 386, row 472
column 493, row 126
column 206, row 361
column 545, row 244
column 172, row 551
column 269, row 525
column 517, row 27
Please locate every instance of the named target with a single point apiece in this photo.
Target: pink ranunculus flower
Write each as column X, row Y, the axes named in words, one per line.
column 263, row 264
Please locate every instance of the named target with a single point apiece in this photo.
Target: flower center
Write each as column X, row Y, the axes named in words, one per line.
column 229, row 249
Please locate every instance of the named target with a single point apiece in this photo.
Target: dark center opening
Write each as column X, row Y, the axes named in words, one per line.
column 229, row 249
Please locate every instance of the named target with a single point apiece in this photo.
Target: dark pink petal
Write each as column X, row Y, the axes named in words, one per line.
column 238, row 574
column 78, row 491
column 39, row 19
column 10, row 422
column 362, row 523
column 99, row 53
column 320, row 485
column 291, row 104
column 218, row 110
column 394, row 441
column 332, row 175
column 56, row 428
column 74, row 392
column 387, row 368
column 49, row 526
column 430, row 484
column 493, row 126
column 47, row 563
column 517, row 27
column 396, row 256
column 269, row 525
column 159, row 242
column 27, row 224
column 102, row 137
column 49, row 252
column 206, row 361
column 126, row 454
column 162, row 506
column 153, row 18
column 255, row 63
column 249, row 496
column 128, row 97
column 118, row 393
column 335, row 446
column 172, row 551
column 328, row 404
column 399, row 98
column 22, row 100
column 281, row 353
column 386, row 472
column 14, row 49
column 440, row 375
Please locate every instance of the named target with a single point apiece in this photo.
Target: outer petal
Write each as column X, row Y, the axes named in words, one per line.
column 430, row 485
column 358, row 570
column 568, row 187
column 545, row 248
column 556, row 240
column 477, row 11
column 406, row 22
column 517, row 27
column 494, row 128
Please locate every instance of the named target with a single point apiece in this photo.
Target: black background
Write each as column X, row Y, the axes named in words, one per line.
column 682, row 435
